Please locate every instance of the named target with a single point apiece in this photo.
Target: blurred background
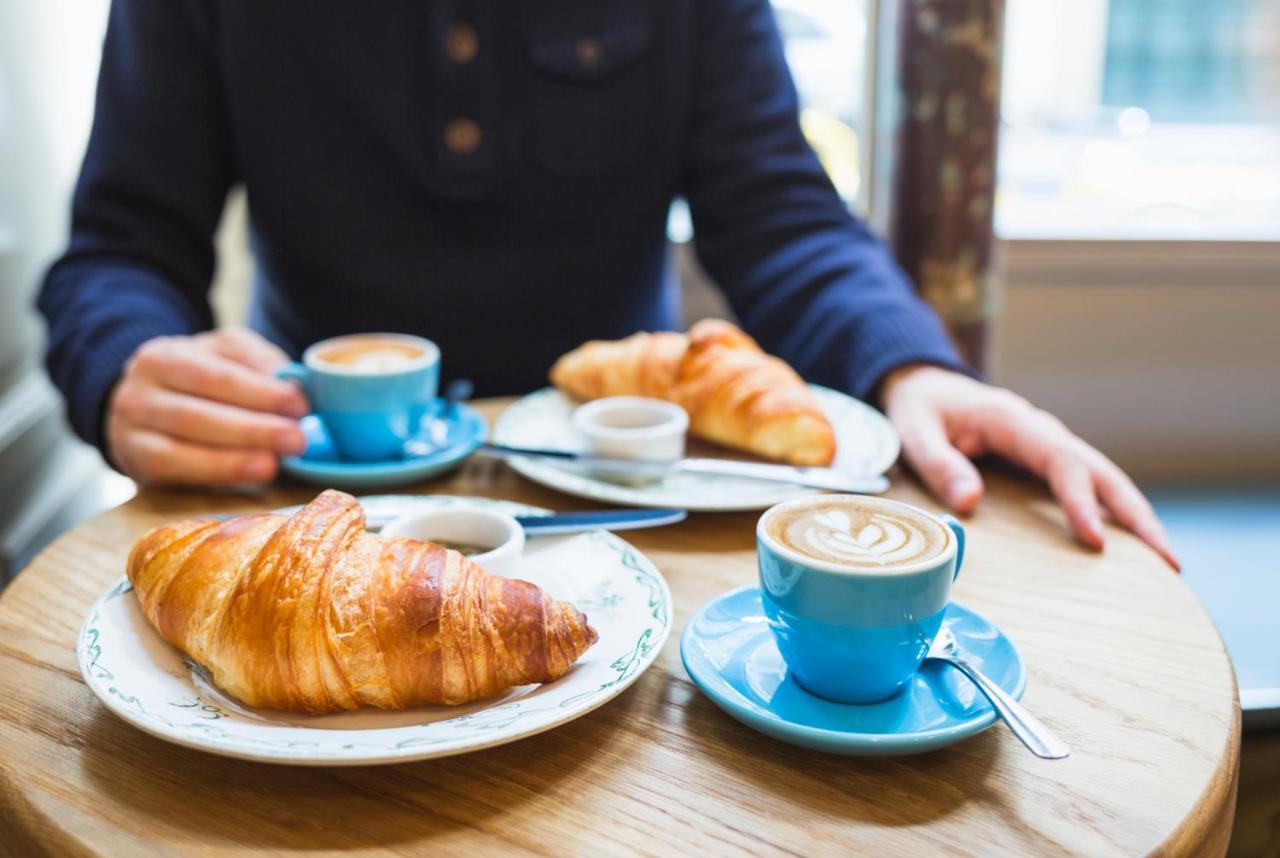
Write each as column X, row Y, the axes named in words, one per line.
column 1137, row 276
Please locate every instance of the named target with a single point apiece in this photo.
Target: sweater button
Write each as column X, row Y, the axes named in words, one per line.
column 461, row 44
column 462, row 136
column 590, row 52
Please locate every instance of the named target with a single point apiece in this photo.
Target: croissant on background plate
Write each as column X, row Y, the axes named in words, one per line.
column 309, row 613
column 735, row 394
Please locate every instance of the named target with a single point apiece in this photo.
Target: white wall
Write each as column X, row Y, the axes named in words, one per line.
column 49, row 51
column 49, row 55
column 1167, row 355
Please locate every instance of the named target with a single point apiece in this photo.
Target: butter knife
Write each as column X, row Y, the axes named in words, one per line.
column 831, row 479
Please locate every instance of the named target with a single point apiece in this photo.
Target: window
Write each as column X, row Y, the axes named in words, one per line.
column 1183, row 61
column 1141, row 119
column 824, row 41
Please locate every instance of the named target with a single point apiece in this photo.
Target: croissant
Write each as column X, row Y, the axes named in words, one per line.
column 310, row 613
column 736, row 395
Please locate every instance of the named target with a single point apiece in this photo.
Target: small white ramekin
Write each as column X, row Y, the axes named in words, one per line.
column 497, row 531
column 632, row 427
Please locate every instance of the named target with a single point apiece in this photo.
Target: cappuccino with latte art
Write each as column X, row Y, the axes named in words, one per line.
column 860, row 533
column 854, row 589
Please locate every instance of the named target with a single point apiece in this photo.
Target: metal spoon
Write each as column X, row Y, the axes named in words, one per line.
column 1038, row 738
column 437, row 426
column 458, row 390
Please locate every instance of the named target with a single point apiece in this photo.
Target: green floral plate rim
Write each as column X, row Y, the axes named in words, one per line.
column 156, row 688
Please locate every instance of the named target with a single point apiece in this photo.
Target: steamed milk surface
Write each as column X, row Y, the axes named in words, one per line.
column 859, row 534
column 372, row 355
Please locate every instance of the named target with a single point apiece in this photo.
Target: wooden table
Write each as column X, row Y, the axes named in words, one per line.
column 1124, row 665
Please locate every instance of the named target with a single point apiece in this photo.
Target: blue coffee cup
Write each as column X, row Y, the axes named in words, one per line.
column 370, row 407
column 854, row 633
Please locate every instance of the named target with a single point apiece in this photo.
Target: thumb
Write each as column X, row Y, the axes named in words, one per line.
column 945, row 470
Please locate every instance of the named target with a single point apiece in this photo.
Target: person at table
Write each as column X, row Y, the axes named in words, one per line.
column 495, row 176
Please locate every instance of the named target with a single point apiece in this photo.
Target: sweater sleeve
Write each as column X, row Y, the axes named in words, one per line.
column 807, row 279
column 150, row 193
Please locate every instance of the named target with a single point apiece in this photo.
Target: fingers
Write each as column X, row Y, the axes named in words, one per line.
column 247, row 348
column 941, row 417
column 205, row 421
column 174, row 364
column 204, row 410
column 1040, row 442
column 1072, row 483
column 969, row 442
column 1132, row 510
column 1078, row 474
column 153, row 458
column 945, row 470
column 1013, row 428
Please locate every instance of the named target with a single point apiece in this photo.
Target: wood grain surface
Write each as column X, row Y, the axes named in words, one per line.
column 1124, row 665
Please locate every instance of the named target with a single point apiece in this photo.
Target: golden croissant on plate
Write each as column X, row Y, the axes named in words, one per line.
column 735, row 394
column 309, row 613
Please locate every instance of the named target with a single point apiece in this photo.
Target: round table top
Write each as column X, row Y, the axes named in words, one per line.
column 1124, row 665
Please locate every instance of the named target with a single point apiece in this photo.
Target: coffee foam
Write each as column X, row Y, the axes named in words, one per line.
column 370, row 355
column 859, row 534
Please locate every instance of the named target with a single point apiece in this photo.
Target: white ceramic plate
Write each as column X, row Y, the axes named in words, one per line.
column 155, row 687
column 866, row 443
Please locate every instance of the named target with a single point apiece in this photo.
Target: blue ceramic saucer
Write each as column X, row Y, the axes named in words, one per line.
column 321, row 463
column 730, row 654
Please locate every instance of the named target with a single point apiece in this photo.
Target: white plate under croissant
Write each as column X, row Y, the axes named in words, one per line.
column 867, row 444
column 163, row 691
column 738, row 398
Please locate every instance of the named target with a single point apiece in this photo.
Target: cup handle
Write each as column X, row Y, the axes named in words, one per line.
column 958, row 529
column 294, row 371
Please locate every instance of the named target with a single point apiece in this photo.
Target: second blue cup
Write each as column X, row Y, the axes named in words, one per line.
column 371, row 390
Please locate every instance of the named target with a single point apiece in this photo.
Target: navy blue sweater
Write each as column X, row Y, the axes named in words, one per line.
column 492, row 174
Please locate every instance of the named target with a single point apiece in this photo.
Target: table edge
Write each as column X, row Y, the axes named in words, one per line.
column 1206, row 829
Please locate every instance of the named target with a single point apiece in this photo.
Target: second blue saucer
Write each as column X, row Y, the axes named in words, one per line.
column 321, row 464
column 729, row 652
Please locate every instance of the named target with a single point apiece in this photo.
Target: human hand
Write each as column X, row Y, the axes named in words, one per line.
column 204, row 410
column 945, row 419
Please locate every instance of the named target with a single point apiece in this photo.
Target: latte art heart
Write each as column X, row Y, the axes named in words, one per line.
column 855, row 533
column 880, row 539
